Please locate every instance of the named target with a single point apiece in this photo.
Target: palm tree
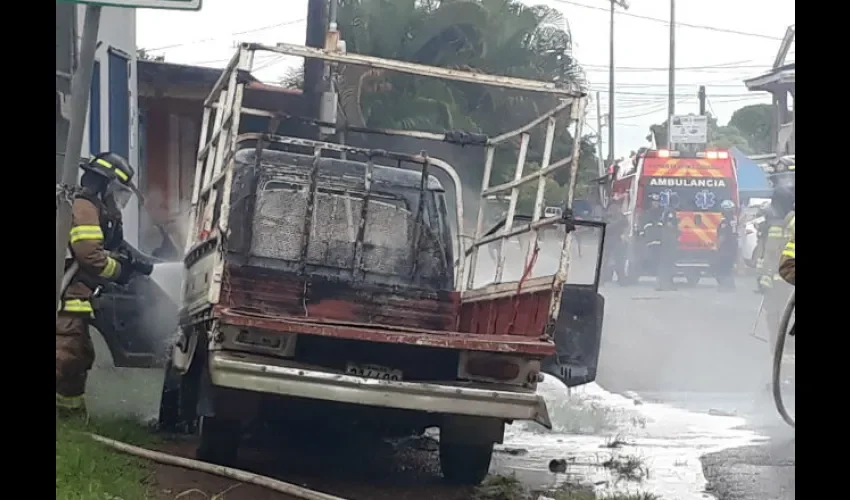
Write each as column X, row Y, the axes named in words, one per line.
column 502, row 37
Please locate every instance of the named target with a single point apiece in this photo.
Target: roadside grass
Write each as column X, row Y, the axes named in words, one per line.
column 87, row 470
column 496, row 487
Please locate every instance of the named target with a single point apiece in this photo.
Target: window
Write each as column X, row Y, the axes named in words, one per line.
column 94, row 111
column 119, row 103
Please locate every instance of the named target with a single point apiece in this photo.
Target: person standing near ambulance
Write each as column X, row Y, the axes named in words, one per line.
column 92, row 260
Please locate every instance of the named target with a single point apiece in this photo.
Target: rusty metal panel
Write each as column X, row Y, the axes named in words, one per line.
column 278, row 293
column 512, row 344
column 521, row 315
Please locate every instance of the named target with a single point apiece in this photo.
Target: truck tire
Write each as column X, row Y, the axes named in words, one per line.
column 465, row 464
column 220, row 440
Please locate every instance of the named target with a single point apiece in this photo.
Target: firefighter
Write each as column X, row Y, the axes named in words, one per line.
column 96, row 236
column 669, row 223
column 727, row 247
column 787, row 264
column 616, row 231
column 774, row 235
column 771, row 232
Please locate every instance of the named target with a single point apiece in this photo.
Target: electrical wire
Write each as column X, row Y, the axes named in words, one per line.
column 667, row 22
column 236, row 33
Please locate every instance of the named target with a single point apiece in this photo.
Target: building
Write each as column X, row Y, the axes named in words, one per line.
column 112, row 122
column 171, row 98
column 780, row 82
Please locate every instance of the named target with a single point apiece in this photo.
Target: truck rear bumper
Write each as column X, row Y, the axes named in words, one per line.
column 266, row 375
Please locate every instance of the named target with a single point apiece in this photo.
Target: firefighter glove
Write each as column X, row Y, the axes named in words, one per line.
column 143, row 267
column 127, row 269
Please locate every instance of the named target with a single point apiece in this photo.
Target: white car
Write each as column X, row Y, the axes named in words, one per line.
column 749, row 240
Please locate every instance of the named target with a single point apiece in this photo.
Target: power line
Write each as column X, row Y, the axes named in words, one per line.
column 746, row 64
column 237, row 33
column 678, row 24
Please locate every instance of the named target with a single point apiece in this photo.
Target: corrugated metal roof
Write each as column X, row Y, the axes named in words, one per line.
column 153, row 72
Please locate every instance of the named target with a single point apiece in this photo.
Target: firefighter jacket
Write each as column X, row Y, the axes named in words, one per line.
column 772, row 239
column 787, row 262
column 92, row 232
column 727, row 238
column 651, row 227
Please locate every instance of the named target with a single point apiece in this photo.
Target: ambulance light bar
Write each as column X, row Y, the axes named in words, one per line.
column 709, row 155
column 662, row 153
column 713, row 155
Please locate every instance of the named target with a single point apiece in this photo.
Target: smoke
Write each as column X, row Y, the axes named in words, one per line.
column 160, row 215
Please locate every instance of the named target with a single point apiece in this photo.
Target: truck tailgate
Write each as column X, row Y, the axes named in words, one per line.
column 514, row 344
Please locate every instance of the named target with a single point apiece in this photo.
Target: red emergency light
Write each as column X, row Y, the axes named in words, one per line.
column 713, row 155
column 666, row 153
column 662, row 153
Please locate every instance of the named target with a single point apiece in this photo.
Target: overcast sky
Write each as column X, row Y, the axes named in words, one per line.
column 719, row 43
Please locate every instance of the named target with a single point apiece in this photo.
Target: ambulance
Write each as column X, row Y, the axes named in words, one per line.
column 692, row 184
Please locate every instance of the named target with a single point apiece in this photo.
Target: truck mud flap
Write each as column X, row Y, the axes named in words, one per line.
column 578, row 336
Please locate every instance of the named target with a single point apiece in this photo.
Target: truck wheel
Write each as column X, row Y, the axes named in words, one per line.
column 465, row 464
column 178, row 404
column 220, row 440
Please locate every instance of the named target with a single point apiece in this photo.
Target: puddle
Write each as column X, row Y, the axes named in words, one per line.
column 618, row 444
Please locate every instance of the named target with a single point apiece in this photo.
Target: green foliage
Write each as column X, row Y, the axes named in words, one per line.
column 504, row 37
column 757, row 126
column 718, row 136
column 751, row 129
column 143, row 55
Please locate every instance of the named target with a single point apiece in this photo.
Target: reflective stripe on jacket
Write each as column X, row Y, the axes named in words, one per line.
column 86, row 248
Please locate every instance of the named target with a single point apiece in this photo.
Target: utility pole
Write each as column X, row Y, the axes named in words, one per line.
column 611, row 89
column 601, row 163
column 701, row 96
column 80, row 90
column 625, row 5
column 671, row 84
column 314, row 69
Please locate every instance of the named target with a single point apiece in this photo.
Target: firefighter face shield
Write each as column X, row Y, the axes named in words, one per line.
column 119, row 194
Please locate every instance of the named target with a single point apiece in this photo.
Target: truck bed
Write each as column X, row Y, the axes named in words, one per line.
column 288, row 303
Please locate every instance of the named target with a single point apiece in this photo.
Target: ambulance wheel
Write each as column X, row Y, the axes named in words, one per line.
column 693, row 277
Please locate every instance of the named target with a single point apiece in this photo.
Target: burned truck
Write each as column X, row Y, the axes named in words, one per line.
column 328, row 285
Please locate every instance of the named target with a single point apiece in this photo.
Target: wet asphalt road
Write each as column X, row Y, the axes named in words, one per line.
column 692, row 349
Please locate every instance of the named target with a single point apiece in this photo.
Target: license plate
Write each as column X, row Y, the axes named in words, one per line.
column 373, row 371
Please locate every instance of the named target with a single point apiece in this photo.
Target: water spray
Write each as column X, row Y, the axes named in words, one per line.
column 779, row 350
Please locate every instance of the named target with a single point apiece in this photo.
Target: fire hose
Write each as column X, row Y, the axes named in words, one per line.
column 219, row 470
column 779, row 351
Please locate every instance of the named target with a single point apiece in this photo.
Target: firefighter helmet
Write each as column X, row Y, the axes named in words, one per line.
column 112, row 166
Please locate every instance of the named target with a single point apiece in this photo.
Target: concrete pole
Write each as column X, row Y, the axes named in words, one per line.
column 671, row 83
column 80, row 85
column 611, row 88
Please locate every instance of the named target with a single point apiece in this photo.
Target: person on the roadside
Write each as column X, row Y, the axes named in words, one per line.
column 92, row 260
column 669, row 223
column 727, row 247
